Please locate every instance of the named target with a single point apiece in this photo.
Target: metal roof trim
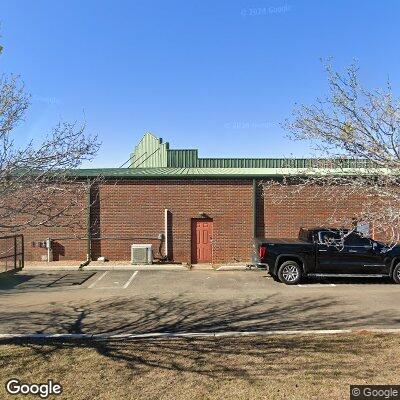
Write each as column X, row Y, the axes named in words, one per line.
column 170, row 172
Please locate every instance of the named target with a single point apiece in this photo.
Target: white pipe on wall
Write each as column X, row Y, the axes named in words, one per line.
column 49, row 247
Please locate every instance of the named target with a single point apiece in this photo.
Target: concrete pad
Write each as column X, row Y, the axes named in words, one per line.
column 49, row 267
column 107, row 267
column 241, row 267
column 129, row 267
column 201, row 267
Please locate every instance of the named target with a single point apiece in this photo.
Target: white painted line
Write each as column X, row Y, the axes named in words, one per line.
column 130, row 280
column 157, row 335
column 98, row 280
column 47, row 336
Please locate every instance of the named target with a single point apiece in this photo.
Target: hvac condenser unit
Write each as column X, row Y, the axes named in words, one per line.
column 141, row 254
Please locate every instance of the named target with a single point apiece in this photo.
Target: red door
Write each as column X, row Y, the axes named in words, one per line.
column 202, row 230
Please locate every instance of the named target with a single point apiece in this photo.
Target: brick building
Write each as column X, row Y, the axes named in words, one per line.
column 191, row 209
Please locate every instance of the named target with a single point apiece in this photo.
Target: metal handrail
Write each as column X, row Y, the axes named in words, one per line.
column 12, row 236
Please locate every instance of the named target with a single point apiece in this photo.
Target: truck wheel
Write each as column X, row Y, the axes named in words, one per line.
column 290, row 273
column 396, row 273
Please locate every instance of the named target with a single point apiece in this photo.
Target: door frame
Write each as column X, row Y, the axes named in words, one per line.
column 193, row 256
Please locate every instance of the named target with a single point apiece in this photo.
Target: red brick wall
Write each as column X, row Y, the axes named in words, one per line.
column 136, row 208
column 309, row 208
column 69, row 228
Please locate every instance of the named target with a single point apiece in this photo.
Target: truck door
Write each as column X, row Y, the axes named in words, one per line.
column 362, row 257
column 330, row 256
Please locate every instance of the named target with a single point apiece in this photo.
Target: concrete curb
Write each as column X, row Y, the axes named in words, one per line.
column 51, row 268
column 232, row 268
column 164, row 335
column 169, row 267
column 127, row 267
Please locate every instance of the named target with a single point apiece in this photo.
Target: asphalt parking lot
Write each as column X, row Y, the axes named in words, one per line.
column 122, row 302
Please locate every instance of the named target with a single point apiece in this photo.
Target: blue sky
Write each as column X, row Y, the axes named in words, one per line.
column 214, row 75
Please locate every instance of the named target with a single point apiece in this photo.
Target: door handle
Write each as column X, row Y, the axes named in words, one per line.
column 322, row 250
column 353, row 251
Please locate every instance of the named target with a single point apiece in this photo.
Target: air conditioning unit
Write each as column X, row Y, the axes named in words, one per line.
column 141, row 254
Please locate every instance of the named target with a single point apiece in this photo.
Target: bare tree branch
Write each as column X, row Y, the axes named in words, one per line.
column 37, row 183
column 359, row 131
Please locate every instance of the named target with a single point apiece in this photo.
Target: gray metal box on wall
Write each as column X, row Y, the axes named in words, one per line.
column 141, row 254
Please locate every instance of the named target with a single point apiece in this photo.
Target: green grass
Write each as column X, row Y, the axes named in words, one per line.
column 280, row 367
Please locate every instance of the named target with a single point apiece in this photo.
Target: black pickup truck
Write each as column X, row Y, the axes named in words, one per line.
column 325, row 252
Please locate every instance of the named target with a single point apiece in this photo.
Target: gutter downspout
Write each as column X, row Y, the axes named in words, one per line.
column 253, row 262
column 254, row 208
column 89, row 233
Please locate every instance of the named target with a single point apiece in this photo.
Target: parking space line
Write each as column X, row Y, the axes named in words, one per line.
column 98, row 280
column 130, row 280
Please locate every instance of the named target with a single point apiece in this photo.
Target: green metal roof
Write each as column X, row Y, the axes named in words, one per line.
column 154, row 159
column 151, row 152
column 166, row 172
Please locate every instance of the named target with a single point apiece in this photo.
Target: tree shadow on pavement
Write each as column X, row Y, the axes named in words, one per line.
column 180, row 314
column 247, row 358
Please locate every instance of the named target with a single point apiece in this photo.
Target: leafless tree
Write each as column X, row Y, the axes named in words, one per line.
column 37, row 186
column 355, row 133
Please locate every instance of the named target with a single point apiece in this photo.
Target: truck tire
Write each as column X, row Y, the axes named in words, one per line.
column 396, row 273
column 290, row 273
